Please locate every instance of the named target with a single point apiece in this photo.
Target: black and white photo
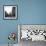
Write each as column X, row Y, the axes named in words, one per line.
column 10, row 12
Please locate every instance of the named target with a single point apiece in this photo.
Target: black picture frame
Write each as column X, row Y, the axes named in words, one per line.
column 10, row 12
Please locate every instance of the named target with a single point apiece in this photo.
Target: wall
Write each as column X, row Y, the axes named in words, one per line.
column 33, row 12
column 29, row 12
column 7, row 26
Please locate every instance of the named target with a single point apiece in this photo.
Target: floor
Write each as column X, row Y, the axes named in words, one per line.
column 30, row 43
column 7, row 45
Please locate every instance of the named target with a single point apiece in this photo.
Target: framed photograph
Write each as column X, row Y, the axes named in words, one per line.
column 32, row 32
column 10, row 11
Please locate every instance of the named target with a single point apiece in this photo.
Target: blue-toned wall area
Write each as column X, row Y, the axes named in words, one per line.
column 29, row 12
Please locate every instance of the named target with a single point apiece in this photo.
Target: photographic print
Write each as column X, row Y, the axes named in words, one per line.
column 10, row 12
column 33, row 32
